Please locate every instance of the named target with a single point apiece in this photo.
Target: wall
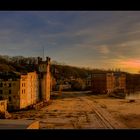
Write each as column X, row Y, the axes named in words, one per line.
column 110, row 82
column 45, row 86
column 98, row 83
column 10, row 92
column 29, row 89
column 3, row 106
column 23, row 91
column 45, row 79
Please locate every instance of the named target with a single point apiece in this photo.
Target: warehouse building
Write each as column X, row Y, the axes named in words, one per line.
column 106, row 83
column 24, row 90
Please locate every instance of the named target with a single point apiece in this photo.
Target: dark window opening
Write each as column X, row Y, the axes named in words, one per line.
column 1, row 84
column 9, row 91
column 9, row 84
column 10, row 99
column 1, row 91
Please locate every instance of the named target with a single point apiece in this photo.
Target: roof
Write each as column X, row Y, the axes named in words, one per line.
column 9, row 75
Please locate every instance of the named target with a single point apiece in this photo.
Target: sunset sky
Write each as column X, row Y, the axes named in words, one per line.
column 95, row 39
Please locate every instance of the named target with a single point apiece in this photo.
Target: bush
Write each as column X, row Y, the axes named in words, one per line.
column 77, row 85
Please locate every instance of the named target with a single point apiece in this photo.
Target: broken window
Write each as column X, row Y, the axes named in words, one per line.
column 1, row 84
column 1, row 91
column 9, row 91
column 10, row 99
column 9, row 84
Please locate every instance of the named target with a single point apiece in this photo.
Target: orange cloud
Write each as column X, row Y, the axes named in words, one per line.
column 130, row 65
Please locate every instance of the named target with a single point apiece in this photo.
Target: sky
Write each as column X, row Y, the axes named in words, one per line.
column 93, row 39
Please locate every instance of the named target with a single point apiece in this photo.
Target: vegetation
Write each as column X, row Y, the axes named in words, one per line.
column 62, row 72
column 17, row 64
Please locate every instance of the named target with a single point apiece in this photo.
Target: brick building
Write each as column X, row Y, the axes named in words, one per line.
column 106, row 83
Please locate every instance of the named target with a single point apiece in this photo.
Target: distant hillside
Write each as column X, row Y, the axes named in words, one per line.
column 64, row 71
column 16, row 64
column 7, row 68
column 58, row 70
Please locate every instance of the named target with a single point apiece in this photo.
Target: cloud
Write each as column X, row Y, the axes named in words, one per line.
column 97, row 38
column 104, row 49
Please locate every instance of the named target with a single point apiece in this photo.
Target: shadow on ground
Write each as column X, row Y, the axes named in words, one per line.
column 72, row 94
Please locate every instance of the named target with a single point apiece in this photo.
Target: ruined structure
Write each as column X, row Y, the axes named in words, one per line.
column 21, row 91
column 107, row 83
column 45, row 78
column 29, row 89
column 24, row 90
column 120, row 80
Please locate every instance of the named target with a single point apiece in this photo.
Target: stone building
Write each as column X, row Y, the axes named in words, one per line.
column 29, row 89
column 21, row 91
column 10, row 89
column 107, row 83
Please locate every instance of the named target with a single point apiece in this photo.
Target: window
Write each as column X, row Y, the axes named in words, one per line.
column 1, row 84
column 9, row 91
column 24, row 90
column 9, row 99
column 1, row 91
column 9, row 84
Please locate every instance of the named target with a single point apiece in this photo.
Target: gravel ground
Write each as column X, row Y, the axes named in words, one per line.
column 75, row 110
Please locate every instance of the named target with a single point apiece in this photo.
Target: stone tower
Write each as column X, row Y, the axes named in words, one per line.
column 45, row 78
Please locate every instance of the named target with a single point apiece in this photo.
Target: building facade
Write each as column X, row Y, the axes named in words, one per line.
column 20, row 92
column 27, row 89
column 120, row 81
column 9, row 90
column 98, row 83
column 106, row 83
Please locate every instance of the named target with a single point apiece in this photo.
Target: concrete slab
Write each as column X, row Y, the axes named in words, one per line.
column 18, row 124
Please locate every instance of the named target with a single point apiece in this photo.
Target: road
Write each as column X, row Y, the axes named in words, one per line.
column 73, row 110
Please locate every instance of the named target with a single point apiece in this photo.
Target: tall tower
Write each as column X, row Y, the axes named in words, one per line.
column 45, row 78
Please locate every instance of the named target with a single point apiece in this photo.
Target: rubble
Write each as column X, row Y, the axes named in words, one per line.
column 5, row 115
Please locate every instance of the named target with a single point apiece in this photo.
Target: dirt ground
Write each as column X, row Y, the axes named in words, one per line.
column 125, row 110
column 76, row 110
